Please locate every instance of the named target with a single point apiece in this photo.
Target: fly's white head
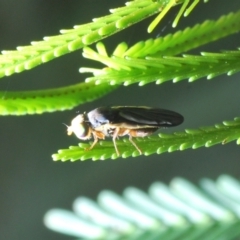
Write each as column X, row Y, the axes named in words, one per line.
column 79, row 127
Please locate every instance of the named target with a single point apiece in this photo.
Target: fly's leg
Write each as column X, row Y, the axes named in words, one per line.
column 134, row 144
column 115, row 135
column 93, row 144
column 96, row 136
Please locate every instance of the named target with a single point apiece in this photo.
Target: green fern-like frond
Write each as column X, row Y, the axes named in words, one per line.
column 191, row 138
column 144, row 62
column 181, row 210
column 187, row 39
column 28, row 57
column 20, row 103
column 162, row 69
column 50, row 100
column 173, row 44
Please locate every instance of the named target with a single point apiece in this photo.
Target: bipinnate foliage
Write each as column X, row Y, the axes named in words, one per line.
column 154, row 60
column 180, row 210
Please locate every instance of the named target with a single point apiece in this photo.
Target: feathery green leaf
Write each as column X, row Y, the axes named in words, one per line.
column 191, row 138
column 50, row 100
column 181, row 210
column 28, row 57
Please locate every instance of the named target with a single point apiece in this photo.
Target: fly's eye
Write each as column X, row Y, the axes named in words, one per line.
column 81, row 131
column 79, row 127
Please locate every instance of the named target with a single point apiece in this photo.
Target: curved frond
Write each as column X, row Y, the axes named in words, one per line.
column 144, row 62
column 28, row 57
column 161, row 69
column 173, row 44
column 191, row 138
column 180, row 210
column 187, row 39
column 50, row 100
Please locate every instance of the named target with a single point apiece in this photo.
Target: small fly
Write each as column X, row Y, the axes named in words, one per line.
column 120, row 121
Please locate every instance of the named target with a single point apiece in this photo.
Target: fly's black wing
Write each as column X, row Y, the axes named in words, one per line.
column 134, row 115
column 151, row 116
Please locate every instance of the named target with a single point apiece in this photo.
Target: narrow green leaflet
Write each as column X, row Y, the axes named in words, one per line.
column 50, row 100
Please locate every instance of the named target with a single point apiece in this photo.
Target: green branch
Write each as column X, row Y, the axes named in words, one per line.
column 50, row 100
column 163, row 69
column 191, row 138
column 180, row 210
column 28, row 57
column 144, row 62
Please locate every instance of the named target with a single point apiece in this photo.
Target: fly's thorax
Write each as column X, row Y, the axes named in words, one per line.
column 106, row 129
column 98, row 117
column 80, row 127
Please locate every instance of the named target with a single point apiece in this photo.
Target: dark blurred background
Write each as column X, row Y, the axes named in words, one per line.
column 31, row 183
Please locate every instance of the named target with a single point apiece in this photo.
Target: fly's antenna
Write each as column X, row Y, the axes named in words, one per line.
column 69, row 129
